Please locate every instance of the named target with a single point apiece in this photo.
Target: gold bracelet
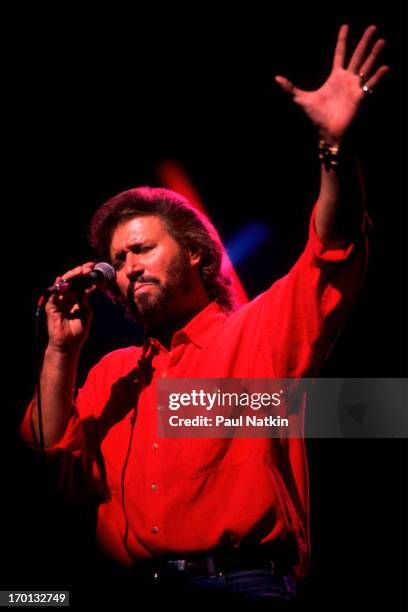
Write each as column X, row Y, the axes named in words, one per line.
column 328, row 154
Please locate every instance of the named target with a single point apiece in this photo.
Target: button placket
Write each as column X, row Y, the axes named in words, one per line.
column 153, row 492
column 154, row 498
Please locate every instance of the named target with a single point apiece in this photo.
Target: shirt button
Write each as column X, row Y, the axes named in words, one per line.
column 154, row 487
column 155, row 530
column 155, row 446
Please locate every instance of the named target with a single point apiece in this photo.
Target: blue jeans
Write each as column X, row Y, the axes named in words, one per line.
column 250, row 586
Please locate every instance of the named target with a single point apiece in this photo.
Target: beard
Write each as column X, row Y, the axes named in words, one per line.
column 154, row 309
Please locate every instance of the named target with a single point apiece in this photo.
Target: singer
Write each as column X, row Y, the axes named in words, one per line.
column 214, row 520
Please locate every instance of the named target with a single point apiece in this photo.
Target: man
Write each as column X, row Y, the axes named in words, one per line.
column 225, row 518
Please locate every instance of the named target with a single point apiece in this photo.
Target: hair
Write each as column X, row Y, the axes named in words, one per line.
column 190, row 229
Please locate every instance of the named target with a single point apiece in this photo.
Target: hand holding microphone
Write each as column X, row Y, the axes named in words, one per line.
column 68, row 312
column 101, row 275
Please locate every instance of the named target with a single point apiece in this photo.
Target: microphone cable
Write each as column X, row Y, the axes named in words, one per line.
column 38, row 368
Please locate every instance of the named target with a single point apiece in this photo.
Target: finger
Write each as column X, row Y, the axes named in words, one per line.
column 372, row 81
column 58, row 304
column 286, row 85
column 89, row 265
column 79, row 270
column 364, row 69
column 65, row 301
column 52, row 298
column 340, row 50
column 79, row 311
column 358, row 56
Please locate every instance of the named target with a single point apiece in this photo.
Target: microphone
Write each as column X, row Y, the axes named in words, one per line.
column 102, row 275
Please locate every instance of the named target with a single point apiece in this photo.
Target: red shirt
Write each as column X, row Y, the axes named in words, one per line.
column 192, row 495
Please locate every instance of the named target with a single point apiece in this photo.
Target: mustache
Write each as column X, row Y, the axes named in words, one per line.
column 140, row 280
column 144, row 279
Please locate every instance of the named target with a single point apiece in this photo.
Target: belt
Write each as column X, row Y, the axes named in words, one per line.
column 212, row 565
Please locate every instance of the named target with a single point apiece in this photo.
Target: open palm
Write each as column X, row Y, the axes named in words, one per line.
column 334, row 105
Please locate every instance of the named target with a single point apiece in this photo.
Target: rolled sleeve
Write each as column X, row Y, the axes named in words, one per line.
column 72, row 440
column 321, row 255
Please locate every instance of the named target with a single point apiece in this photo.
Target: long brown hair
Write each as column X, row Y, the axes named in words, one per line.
column 189, row 227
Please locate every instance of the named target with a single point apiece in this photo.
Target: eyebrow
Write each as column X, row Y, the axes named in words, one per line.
column 121, row 253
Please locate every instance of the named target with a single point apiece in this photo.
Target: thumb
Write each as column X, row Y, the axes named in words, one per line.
column 287, row 86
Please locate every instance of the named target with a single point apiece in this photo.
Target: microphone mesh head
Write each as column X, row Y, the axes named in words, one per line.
column 106, row 271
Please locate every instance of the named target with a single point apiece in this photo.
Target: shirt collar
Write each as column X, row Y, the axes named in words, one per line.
column 200, row 328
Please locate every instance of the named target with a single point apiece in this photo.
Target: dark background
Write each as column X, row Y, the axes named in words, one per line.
column 98, row 100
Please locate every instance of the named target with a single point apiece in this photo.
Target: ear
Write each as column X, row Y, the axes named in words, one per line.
column 195, row 257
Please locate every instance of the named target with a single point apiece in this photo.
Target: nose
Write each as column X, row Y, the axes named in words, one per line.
column 133, row 266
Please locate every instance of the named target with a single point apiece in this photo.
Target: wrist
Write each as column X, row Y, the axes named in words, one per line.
column 61, row 358
column 331, row 142
column 328, row 155
column 329, row 139
column 336, row 154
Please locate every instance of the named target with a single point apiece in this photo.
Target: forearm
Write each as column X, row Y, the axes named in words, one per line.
column 56, row 390
column 340, row 205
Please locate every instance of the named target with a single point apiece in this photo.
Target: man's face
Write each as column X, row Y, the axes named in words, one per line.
column 153, row 273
